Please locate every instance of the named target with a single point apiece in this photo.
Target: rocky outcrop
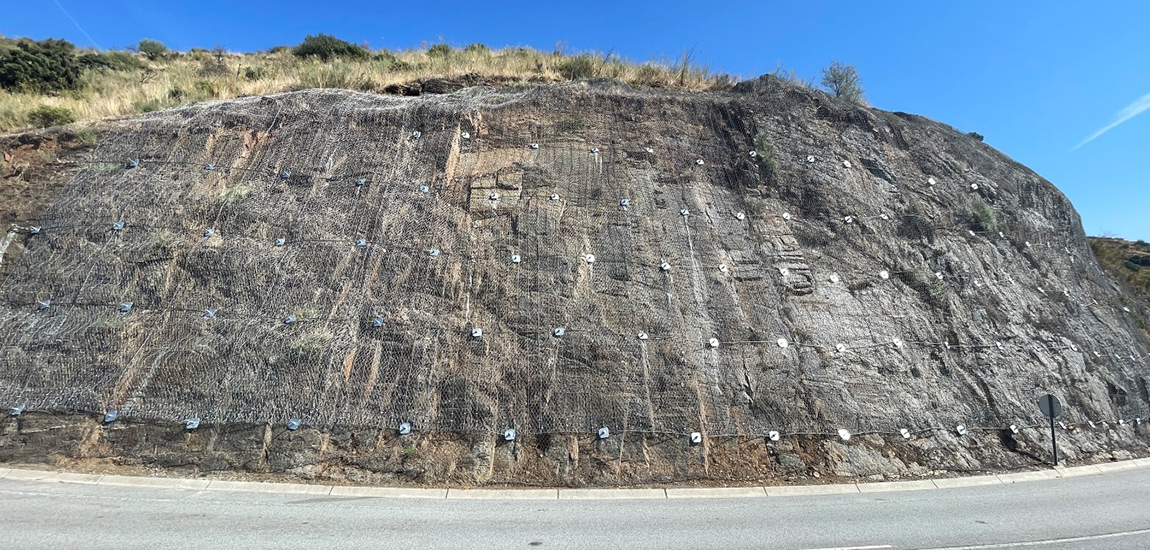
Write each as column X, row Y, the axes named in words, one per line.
column 558, row 259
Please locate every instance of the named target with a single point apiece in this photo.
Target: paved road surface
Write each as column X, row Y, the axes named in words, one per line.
column 1110, row 511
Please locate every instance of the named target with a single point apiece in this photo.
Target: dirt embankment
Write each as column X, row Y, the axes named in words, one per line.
column 34, row 167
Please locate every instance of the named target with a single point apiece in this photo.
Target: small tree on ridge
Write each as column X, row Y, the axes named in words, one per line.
column 843, row 81
column 327, row 47
column 154, row 50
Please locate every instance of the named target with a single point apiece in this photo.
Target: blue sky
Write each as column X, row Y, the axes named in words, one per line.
column 1036, row 78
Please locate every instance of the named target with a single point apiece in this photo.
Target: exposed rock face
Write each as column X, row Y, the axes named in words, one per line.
column 863, row 270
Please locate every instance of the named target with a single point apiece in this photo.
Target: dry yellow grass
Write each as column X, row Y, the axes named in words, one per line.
column 190, row 77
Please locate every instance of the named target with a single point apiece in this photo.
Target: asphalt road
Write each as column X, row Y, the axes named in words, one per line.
column 1110, row 511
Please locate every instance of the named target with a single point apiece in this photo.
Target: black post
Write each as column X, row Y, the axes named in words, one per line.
column 1053, row 441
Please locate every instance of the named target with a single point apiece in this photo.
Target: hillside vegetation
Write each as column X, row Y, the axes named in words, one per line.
column 1127, row 261
column 51, row 82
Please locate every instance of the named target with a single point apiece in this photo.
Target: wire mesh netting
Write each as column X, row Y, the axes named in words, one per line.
column 358, row 260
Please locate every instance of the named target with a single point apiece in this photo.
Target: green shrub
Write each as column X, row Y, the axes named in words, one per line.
column 982, row 217
column 765, row 156
column 477, row 48
column 87, row 137
column 327, row 47
column 439, row 50
column 148, row 105
column 391, row 62
column 843, row 81
column 926, row 285
column 976, row 135
column 214, row 67
column 46, row 115
column 209, row 88
column 254, row 73
column 279, row 49
column 154, row 50
column 110, row 61
column 577, row 67
column 39, row 66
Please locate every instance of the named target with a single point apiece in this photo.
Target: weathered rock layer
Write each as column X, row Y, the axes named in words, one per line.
column 734, row 264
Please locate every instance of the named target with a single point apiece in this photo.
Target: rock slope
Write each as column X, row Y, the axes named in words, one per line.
column 722, row 281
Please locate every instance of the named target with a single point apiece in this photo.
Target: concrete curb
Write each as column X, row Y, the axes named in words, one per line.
column 1077, row 471
column 257, row 487
column 510, row 494
column 1021, row 477
column 888, row 486
column 975, row 481
column 603, row 494
column 388, row 492
column 809, row 490
column 1107, row 467
column 52, row 477
column 159, row 482
column 1061, row 472
column 716, row 492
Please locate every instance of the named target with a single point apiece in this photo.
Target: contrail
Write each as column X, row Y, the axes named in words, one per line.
column 74, row 22
column 1134, row 109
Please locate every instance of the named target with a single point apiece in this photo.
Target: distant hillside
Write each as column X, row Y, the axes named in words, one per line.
column 1127, row 261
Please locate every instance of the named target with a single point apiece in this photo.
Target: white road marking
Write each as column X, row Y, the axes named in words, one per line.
column 855, row 547
column 1044, row 542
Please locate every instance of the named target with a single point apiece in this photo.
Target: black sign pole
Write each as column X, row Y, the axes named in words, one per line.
column 1051, row 407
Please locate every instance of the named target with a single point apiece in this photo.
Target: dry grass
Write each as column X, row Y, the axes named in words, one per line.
column 190, row 77
column 1129, row 260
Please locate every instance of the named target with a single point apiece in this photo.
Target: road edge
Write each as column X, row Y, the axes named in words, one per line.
column 770, row 491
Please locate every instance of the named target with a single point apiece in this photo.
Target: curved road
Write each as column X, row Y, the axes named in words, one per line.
column 1109, row 511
